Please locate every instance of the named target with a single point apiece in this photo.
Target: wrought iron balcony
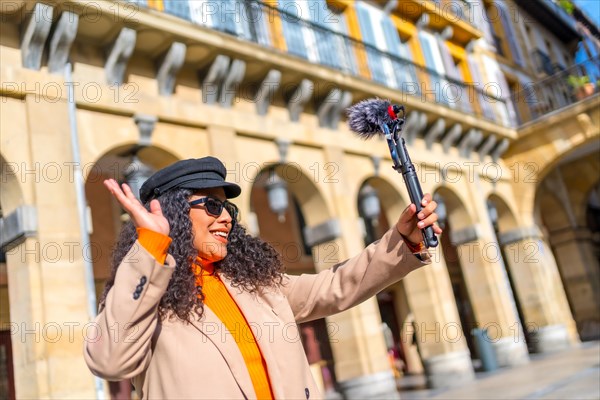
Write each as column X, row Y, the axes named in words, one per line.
column 553, row 17
column 558, row 67
column 319, row 44
column 542, row 62
column 498, row 44
column 460, row 8
column 558, row 91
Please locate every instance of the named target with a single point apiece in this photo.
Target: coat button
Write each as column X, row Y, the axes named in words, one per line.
column 307, row 392
column 143, row 280
column 139, row 288
column 136, row 295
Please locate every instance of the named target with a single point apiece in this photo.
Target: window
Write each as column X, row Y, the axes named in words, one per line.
column 434, row 63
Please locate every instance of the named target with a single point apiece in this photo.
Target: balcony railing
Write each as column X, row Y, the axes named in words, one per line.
column 560, row 90
column 542, row 62
column 561, row 13
column 552, row 17
column 319, row 44
column 498, row 44
column 460, row 8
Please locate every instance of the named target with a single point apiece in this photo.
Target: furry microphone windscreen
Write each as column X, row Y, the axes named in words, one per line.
column 366, row 117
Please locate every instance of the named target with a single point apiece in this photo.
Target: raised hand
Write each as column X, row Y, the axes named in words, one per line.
column 142, row 218
column 410, row 223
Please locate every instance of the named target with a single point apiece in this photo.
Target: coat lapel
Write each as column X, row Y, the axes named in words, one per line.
column 257, row 312
column 212, row 327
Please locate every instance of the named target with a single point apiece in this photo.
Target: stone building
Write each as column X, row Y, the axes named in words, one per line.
column 502, row 127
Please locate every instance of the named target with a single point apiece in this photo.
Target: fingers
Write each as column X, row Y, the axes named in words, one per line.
column 426, row 221
column 424, row 218
column 427, row 215
column 123, row 194
column 429, row 207
column 129, row 193
column 114, row 189
column 426, row 199
column 155, row 207
column 408, row 213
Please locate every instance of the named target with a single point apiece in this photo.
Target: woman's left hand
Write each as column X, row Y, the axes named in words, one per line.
column 410, row 223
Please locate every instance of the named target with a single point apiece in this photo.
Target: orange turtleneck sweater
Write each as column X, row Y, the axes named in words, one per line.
column 219, row 300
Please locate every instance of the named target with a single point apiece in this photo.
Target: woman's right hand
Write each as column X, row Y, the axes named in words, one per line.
column 153, row 220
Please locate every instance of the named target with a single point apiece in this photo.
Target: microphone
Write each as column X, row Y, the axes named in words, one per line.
column 373, row 117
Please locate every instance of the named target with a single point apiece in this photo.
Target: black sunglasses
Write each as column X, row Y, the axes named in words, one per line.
column 215, row 206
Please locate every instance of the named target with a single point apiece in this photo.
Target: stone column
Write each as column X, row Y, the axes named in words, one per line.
column 440, row 336
column 537, row 283
column 579, row 270
column 490, row 293
column 47, row 290
column 29, row 351
column 358, row 345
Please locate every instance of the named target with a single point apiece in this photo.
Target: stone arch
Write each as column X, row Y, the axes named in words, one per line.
column 590, row 179
column 311, row 200
column 532, row 163
column 306, row 209
column 11, row 195
column 592, row 214
column 392, row 201
column 564, row 192
column 458, row 222
column 457, row 213
column 573, row 152
column 561, row 209
column 113, row 162
column 505, row 226
column 394, row 302
column 552, row 213
column 507, row 219
column 11, row 200
column 106, row 214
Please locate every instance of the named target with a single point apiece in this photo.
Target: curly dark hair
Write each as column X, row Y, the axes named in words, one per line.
column 251, row 263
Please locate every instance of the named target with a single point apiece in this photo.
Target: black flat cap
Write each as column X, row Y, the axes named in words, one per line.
column 195, row 173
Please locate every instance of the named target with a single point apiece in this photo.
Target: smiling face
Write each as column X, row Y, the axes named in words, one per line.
column 210, row 232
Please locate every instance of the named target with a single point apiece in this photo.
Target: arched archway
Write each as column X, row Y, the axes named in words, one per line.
column 289, row 232
column 107, row 215
column 379, row 205
column 506, row 218
column 544, row 144
column 455, row 220
column 378, row 194
column 562, row 210
column 11, row 204
column 302, row 250
column 593, row 218
column 503, row 220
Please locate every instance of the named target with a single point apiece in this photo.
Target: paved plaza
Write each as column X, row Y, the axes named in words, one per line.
column 569, row 374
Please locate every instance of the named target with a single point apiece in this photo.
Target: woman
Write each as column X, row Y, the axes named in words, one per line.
column 196, row 308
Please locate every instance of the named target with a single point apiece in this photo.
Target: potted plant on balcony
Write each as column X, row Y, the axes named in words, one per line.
column 582, row 87
column 567, row 5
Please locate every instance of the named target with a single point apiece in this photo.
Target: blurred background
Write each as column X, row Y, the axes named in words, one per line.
column 503, row 125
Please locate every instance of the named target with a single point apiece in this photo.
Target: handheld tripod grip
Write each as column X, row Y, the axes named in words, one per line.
column 414, row 189
column 416, row 195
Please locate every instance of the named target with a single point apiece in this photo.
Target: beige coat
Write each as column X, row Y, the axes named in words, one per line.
column 201, row 360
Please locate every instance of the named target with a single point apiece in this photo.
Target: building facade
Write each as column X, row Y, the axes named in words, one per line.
column 503, row 124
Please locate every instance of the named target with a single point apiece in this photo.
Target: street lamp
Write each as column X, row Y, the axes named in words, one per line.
column 277, row 195
column 493, row 213
column 440, row 210
column 136, row 174
column 369, row 204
